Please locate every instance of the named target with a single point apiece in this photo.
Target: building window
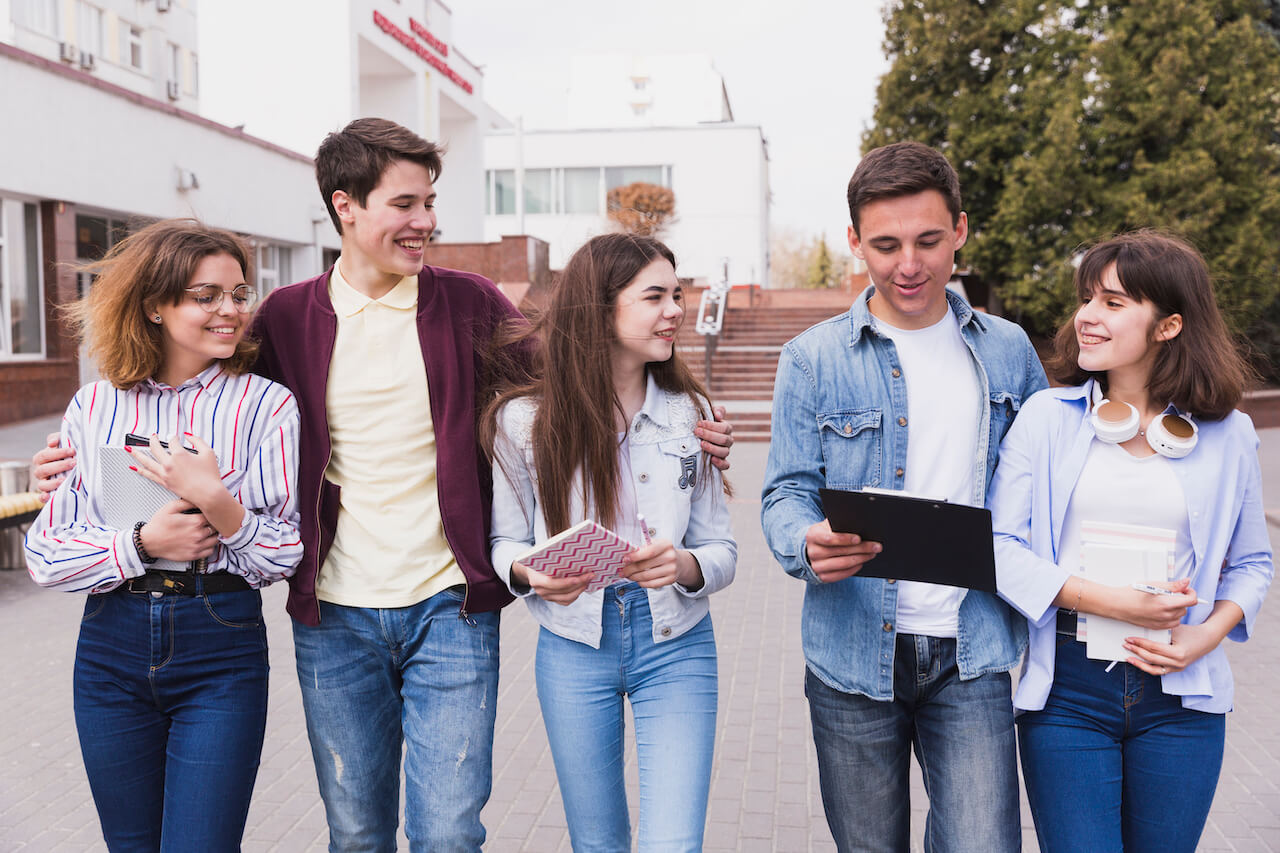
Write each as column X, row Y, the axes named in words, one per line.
column 89, row 28
column 501, row 192
column 640, row 84
column 538, row 195
column 41, row 16
column 131, row 45
column 193, row 82
column 274, row 268
column 21, row 292
column 620, row 176
column 582, row 190
column 175, row 63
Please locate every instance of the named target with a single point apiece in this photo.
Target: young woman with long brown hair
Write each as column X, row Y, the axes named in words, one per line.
column 606, row 431
column 1125, row 756
column 171, row 666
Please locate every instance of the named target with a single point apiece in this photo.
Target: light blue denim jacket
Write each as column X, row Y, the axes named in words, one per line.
column 691, row 511
column 837, row 402
column 1040, row 464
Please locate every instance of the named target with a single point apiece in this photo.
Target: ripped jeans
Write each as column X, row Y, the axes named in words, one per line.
column 377, row 679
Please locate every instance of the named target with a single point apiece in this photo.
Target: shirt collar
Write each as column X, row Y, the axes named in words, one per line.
column 860, row 316
column 655, row 403
column 205, row 378
column 348, row 301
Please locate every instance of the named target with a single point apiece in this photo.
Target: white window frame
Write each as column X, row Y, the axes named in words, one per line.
column 132, row 35
column 13, row 269
column 89, row 28
column 39, row 16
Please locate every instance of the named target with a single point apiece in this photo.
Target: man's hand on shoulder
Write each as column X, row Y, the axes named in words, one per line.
column 836, row 556
column 50, row 465
column 717, row 437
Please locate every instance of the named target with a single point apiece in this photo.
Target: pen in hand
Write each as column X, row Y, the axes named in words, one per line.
column 1159, row 590
column 644, row 528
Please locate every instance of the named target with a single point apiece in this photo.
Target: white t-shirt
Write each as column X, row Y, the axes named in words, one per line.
column 1117, row 486
column 944, row 412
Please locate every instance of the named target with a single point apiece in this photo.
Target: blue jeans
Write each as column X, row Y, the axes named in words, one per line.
column 377, row 680
column 171, row 706
column 962, row 733
column 672, row 688
column 1114, row 764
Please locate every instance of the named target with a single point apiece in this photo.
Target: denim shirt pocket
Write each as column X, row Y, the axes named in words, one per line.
column 681, row 460
column 852, row 447
column 1004, row 408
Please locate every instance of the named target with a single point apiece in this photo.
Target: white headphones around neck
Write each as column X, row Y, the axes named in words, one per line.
column 1115, row 422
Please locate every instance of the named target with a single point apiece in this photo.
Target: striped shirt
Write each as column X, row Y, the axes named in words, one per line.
column 252, row 425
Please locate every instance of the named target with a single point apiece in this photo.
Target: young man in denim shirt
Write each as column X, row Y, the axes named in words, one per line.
column 910, row 389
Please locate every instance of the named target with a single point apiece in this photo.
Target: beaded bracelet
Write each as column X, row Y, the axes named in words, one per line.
column 137, row 544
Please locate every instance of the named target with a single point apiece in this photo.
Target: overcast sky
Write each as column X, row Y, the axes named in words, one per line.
column 804, row 70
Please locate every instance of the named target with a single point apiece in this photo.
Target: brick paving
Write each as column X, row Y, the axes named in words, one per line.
column 764, row 792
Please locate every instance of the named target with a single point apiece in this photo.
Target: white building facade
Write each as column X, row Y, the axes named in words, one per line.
column 382, row 58
column 101, row 137
column 719, row 174
column 662, row 120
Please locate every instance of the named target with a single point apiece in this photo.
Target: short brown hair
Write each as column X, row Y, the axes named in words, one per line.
column 1201, row 370
column 903, row 168
column 149, row 268
column 354, row 158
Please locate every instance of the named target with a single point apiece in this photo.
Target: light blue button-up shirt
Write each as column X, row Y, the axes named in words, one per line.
column 680, row 498
column 839, row 420
column 1040, row 463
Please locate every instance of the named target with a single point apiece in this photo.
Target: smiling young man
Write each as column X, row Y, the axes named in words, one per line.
column 910, row 389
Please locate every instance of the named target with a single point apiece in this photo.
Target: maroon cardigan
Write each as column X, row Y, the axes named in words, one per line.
column 457, row 312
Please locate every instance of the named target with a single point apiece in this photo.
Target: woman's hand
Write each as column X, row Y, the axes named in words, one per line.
column 192, row 476
column 555, row 590
column 1187, row 644
column 49, row 466
column 660, row 563
column 174, row 534
column 717, row 437
column 1149, row 610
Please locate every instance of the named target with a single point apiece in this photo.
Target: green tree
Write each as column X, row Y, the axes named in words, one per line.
column 1068, row 121
column 822, row 272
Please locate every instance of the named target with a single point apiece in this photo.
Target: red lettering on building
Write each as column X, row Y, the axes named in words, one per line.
column 421, row 32
column 380, row 20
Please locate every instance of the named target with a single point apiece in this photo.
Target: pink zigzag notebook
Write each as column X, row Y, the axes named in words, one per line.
column 584, row 549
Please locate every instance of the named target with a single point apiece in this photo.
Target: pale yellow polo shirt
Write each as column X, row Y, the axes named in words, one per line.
column 389, row 549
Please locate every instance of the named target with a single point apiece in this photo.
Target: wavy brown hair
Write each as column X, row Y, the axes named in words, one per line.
column 572, row 379
column 1202, row 370
column 151, row 267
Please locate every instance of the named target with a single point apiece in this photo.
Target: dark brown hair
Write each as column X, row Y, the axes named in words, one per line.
column 149, row 268
column 903, row 168
column 354, row 158
column 574, row 428
column 1201, row 370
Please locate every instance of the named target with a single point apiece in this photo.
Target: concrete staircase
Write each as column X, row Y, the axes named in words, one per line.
column 746, row 360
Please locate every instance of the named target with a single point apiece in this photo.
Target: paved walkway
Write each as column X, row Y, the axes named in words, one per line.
column 764, row 794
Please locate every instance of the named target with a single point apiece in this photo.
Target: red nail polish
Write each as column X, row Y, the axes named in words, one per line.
column 131, row 468
column 128, row 449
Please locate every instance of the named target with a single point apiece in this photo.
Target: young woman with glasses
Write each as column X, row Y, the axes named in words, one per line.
column 170, row 677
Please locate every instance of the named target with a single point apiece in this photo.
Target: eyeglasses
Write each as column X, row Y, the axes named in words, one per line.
column 210, row 296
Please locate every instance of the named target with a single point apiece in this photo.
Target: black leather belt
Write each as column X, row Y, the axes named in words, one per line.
column 1067, row 623
column 187, row 583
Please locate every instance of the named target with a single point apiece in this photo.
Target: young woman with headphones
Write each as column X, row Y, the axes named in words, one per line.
column 1126, row 756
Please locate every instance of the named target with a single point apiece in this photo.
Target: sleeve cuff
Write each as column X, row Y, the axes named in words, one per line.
column 247, row 533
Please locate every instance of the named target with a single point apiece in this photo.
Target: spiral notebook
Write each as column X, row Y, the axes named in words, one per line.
column 128, row 497
column 584, row 549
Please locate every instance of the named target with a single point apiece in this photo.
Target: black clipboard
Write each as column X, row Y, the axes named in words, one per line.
column 924, row 540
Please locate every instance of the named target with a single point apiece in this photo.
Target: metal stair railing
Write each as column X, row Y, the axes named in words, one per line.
column 711, row 319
